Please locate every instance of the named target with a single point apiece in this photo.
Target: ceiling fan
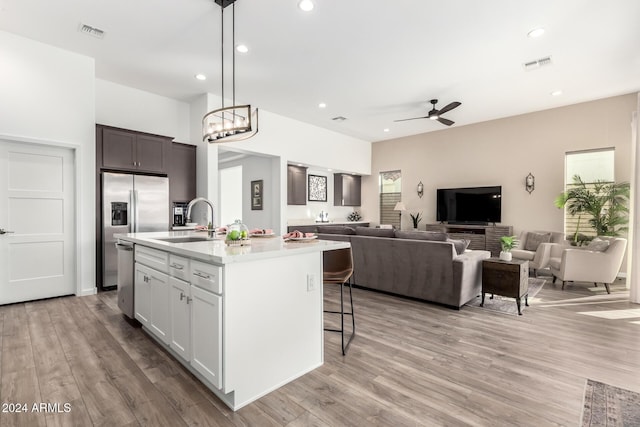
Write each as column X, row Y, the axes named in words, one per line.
column 437, row 114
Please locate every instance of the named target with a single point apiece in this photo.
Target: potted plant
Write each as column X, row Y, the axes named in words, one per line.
column 416, row 218
column 507, row 243
column 605, row 203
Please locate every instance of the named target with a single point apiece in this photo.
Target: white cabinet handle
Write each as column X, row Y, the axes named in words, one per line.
column 204, row 276
column 189, row 299
column 182, row 295
column 177, row 266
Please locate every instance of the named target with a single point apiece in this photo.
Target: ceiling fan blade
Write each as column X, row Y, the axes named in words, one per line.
column 414, row 118
column 445, row 121
column 449, row 107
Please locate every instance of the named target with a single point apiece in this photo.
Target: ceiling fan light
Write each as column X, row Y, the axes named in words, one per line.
column 433, row 117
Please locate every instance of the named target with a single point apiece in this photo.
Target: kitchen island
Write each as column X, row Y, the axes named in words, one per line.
column 245, row 320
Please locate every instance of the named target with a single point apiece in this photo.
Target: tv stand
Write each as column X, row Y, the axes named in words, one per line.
column 482, row 237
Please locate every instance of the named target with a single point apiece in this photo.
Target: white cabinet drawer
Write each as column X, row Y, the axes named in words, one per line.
column 179, row 267
column 206, row 276
column 152, row 258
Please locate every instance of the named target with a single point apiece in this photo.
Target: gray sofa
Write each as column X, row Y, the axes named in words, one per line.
column 407, row 264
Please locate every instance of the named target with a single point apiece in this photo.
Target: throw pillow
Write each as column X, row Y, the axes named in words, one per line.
column 597, row 245
column 336, row 229
column 375, row 232
column 422, row 235
column 461, row 245
column 534, row 240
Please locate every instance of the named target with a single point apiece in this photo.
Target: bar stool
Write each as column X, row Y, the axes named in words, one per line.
column 338, row 269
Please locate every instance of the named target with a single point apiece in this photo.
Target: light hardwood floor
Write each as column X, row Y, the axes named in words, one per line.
column 411, row 364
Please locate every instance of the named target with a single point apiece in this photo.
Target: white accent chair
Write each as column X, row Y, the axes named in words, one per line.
column 584, row 265
column 538, row 255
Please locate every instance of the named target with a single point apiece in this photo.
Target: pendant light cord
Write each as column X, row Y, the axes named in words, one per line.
column 222, row 51
column 233, row 48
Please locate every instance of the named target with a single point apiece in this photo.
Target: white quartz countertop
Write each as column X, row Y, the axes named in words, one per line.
column 293, row 223
column 218, row 252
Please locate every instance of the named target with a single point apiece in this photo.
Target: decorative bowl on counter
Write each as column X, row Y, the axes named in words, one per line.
column 237, row 234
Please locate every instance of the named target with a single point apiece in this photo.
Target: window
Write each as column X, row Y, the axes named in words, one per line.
column 591, row 166
column 390, row 194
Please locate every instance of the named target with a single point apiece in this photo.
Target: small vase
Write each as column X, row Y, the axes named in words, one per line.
column 506, row 256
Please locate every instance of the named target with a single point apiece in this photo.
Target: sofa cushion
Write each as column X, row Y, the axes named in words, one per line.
column 461, row 245
column 421, row 235
column 336, row 229
column 375, row 232
column 534, row 240
column 597, row 245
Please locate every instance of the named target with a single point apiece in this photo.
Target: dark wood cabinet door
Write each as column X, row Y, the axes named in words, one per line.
column 296, row 185
column 118, row 149
column 150, row 153
column 346, row 190
column 182, row 173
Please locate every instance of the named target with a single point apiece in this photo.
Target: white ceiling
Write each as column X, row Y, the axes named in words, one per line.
column 371, row 61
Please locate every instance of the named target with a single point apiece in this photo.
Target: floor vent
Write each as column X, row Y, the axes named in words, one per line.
column 531, row 65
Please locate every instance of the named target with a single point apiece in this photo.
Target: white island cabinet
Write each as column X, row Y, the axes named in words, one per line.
column 244, row 320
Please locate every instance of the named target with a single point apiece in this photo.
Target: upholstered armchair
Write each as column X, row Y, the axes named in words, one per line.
column 599, row 262
column 535, row 247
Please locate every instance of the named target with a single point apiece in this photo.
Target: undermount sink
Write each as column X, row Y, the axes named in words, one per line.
column 185, row 239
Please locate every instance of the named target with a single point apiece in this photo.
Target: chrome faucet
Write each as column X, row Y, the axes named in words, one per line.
column 212, row 230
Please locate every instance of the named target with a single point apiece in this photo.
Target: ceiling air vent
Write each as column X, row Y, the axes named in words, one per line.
column 92, row 31
column 339, row 119
column 531, row 65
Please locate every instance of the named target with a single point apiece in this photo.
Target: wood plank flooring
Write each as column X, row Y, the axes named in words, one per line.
column 411, row 364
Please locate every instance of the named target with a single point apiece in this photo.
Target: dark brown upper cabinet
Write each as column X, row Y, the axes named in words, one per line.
column 134, row 151
column 296, row 185
column 346, row 189
column 182, row 172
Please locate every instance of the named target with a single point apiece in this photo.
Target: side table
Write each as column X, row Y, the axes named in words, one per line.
column 506, row 278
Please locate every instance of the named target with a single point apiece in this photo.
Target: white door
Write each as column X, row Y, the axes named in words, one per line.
column 142, row 294
column 160, row 316
column 180, row 299
column 37, row 197
column 206, row 334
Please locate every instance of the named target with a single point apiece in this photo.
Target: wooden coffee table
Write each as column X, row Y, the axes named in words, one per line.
column 506, row 278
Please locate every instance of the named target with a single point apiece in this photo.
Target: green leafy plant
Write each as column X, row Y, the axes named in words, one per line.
column 605, row 202
column 416, row 218
column 508, row 243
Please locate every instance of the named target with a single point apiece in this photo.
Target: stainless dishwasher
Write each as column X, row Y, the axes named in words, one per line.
column 125, row 277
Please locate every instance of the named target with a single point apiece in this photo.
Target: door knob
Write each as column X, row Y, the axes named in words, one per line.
column 3, row 231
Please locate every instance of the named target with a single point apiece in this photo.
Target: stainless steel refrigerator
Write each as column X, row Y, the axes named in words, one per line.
column 130, row 204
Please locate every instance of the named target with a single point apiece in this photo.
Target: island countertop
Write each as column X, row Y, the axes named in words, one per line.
column 218, row 252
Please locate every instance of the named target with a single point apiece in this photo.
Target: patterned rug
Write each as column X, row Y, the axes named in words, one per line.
column 606, row 405
column 507, row 305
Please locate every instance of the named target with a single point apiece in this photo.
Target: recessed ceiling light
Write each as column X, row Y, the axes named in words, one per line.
column 306, row 5
column 299, row 164
column 386, row 129
column 556, row 93
column 329, row 170
column 242, row 48
column 536, row 32
column 201, row 77
column 322, row 105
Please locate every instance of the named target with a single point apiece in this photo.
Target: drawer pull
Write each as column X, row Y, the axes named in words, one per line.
column 177, row 266
column 204, row 276
column 182, row 295
column 189, row 299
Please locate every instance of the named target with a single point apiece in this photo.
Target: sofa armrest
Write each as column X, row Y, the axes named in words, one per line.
column 543, row 254
column 467, row 274
column 556, row 249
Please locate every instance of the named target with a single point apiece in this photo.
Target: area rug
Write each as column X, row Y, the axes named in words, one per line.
column 507, row 305
column 606, row 405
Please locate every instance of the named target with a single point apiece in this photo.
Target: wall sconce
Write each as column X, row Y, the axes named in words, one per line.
column 530, row 183
column 420, row 189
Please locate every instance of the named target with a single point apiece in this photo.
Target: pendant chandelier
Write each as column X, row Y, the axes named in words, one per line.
column 236, row 122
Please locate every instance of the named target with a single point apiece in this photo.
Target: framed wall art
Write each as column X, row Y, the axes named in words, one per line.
column 317, row 188
column 256, row 195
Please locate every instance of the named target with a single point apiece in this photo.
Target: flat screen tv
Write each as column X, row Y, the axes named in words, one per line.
column 473, row 205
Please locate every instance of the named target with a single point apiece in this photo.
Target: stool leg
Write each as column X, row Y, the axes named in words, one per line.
column 353, row 316
column 342, row 316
